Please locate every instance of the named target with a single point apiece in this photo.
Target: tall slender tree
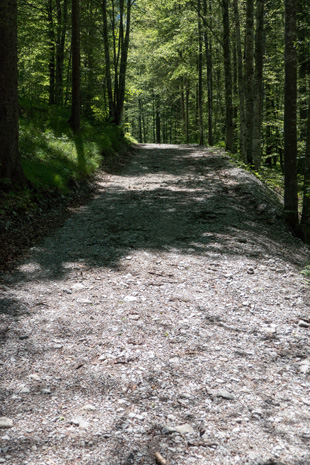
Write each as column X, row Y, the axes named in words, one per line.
column 258, row 84
column 10, row 166
column 248, row 78
column 229, row 132
column 75, row 117
column 290, row 115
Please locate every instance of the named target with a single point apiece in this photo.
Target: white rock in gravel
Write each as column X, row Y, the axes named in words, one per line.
column 34, row 377
column 186, row 428
column 225, row 394
column 81, row 422
column 89, row 407
column 304, row 366
column 303, row 324
column 78, row 287
column 6, row 422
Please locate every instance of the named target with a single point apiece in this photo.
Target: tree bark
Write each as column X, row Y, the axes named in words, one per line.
column 290, row 116
column 249, row 71
column 258, row 84
column 242, row 125
column 208, row 50
column 107, row 59
column 52, row 52
column 229, row 133
column 62, row 19
column 76, row 80
column 10, row 165
column 305, row 218
column 200, row 89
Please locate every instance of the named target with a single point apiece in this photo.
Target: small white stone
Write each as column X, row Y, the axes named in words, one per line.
column 6, row 422
column 186, row 428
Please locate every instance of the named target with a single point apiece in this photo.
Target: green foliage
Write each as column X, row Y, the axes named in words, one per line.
column 306, row 271
column 53, row 157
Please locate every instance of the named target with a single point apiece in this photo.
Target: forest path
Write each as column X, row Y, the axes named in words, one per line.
column 167, row 315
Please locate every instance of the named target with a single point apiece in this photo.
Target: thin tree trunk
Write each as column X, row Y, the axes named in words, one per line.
column 51, row 65
column 305, row 218
column 200, row 63
column 258, row 84
column 248, row 82
column 107, row 59
column 242, row 135
column 290, row 116
column 76, row 80
column 228, row 78
column 123, row 66
column 157, row 117
column 208, row 50
column 10, row 165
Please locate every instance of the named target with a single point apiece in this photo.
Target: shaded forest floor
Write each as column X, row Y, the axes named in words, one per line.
column 167, row 315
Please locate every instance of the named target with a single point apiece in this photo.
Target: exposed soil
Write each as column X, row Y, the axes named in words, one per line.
column 168, row 315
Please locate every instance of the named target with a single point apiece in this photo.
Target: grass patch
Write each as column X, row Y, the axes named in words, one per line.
column 56, row 162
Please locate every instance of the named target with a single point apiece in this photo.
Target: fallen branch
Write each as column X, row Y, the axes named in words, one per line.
column 202, row 444
column 160, row 459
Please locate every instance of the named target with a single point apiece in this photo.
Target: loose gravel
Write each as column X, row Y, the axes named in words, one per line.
column 166, row 320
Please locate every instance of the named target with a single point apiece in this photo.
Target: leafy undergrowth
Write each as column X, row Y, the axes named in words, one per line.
column 60, row 167
column 271, row 175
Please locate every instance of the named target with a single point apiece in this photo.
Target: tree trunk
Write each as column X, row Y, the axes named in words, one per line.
column 52, row 52
column 242, row 135
column 76, row 80
column 249, row 70
column 10, row 166
column 157, row 117
column 62, row 19
column 200, row 63
column 290, row 113
column 258, row 84
column 228, row 78
column 208, row 50
column 107, row 59
column 124, row 46
column 305, row 218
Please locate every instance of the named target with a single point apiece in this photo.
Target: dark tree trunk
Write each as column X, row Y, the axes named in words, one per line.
column 242, row 125
column 200, row 63
column 124, row 47
column 290, row 114
column 76, row 80
column 258, row 84
column 208, row 50
column 107, row 59
column 249, row 72
column 229, row 142
column 305, row 219
column 62, row 19
column 157, row 117
column 52, row 52
column 10, row 166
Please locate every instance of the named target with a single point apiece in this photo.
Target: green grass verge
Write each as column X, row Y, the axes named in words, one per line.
column 56, row 161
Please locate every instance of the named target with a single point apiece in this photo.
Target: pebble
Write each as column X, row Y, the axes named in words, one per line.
column 6, row 422
column 303, row 324
column 89, row 407
column 225, row 394
column 186, row 428
column 81, row 422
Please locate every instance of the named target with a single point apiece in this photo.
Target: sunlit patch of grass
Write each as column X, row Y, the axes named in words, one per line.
column 54, row 158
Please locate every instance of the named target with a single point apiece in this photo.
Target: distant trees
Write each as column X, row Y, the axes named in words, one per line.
column 172, row 71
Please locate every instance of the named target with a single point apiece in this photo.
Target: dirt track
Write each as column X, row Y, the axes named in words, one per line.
column 167, row 315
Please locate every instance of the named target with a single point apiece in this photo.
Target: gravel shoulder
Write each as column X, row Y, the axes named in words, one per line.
column 168, row 315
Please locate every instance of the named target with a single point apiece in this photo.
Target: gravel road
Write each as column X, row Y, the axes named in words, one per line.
column 166, row 320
